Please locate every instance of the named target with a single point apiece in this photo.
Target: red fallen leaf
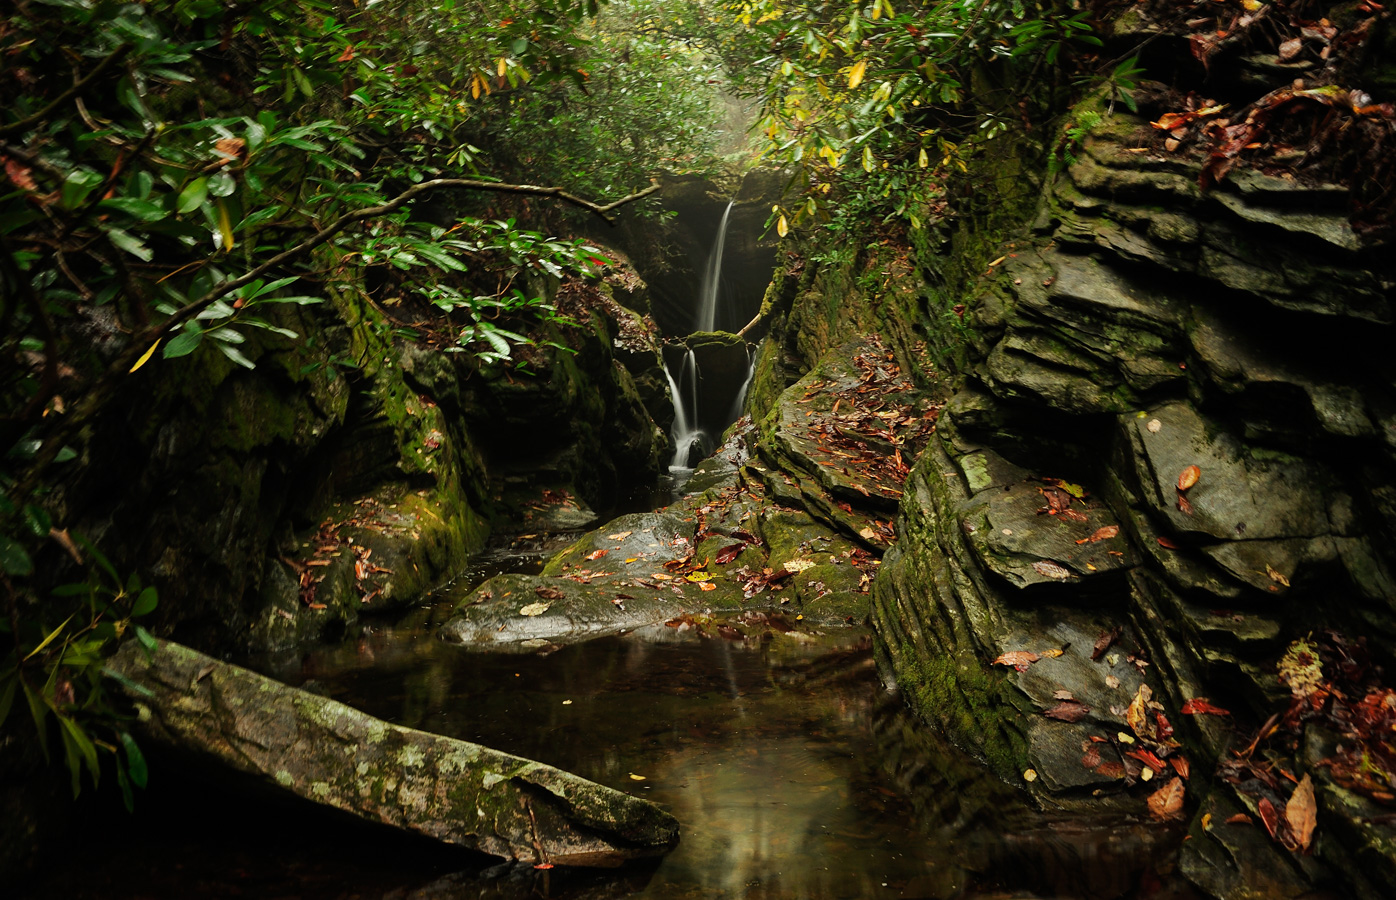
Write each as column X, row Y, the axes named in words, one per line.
column 1110, row 769
column 1091, row 758
column 1240, row 819
column 1180, row 765
column 1201, row 706
column 1168, row 544
column 1269, row 817
column 729, row 553
column 20, row 175
column 746, row 536
column 1301, row 813
column 1103, row 643
column 1167, row 802
column 1018, row 659
column 1104, row 533
column 1068, row 711
column 1165, row 728
column 1184, row 506
column 596, row 554
column 548, row 593
column 1188, row 477
column 1150, row 760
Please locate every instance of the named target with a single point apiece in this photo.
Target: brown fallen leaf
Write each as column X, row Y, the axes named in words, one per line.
column 1276, row 577
column 1188, row 477
column 1167, row 802
column 1301, row 813
column 1063, row 694
column 1240, row 819
column 1269, row 817
column 1180, row 765
column 549, row 593
column 1104, row 533
column 1168, row 544
column 1290, row 49
column 1049, row 569
column 1018, row 659
column 596, row 554
column 1137, row 716
column 1091, row 758
column 1184, row 506
column 1103, row 643
column 728, row 553
column 1068, row 711
column 1112, row 682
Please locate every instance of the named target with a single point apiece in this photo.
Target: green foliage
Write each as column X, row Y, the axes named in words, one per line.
column 60, row 669
column 175, row 175
column 871, row 100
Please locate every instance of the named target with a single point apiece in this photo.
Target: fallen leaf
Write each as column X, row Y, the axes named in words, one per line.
column 1290, row 49
column 596, row 554
column 1054, row 653
column 1206, row 821
column 1150, row 760
column 1184, row 506
column 1104, row 533
column 1167, row 802
column 1188, row 477
column 548, row 593
column 1030, row 775
column 729, row 553
column 1137, row 716
column 1112, row 682
column 1276, row 576
column 706, row 586
column 1018, row 659
column 1269, row 817
column 619, row 536
column 1103, row 643
column 1068, row 711
column 698, row 577
column 1154, row 426
column 634, row 777
column 1200, row 706
column 1168, row 544
column 1049, row 569
column 1091, row 758
column 534, row 609
column 997, row 261
column 1240, row 819
column 1302, row 814
column 1062, row 694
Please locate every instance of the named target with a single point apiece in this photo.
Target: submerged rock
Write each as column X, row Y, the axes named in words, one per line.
column 331, row 754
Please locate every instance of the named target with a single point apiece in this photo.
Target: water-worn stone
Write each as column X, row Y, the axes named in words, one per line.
column 331, row 754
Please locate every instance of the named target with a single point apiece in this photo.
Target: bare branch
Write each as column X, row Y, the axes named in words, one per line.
column 70, row 93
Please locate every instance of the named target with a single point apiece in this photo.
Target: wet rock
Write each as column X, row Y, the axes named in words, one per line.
column 328, row 753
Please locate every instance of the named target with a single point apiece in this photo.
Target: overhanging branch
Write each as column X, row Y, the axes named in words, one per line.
column 146, row 338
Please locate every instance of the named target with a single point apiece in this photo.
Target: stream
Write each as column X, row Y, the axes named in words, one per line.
column 794, row 773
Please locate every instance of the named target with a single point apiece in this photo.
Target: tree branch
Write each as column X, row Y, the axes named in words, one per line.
column 70, row 93
column 146, row 337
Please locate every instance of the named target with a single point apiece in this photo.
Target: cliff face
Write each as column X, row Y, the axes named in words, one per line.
column 1169, row 457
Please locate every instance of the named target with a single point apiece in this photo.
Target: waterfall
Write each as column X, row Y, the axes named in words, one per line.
column 712, row 278
column 734, row 412
column 686, row 431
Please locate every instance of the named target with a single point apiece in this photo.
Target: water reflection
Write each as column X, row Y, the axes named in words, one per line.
column 793, row 773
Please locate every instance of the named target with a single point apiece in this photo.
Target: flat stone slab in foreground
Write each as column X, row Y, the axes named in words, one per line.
column 329, row 753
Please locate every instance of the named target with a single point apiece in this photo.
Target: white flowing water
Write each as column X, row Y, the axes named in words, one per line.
column 712, row 278
column 685, row 431
column 734, row 412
